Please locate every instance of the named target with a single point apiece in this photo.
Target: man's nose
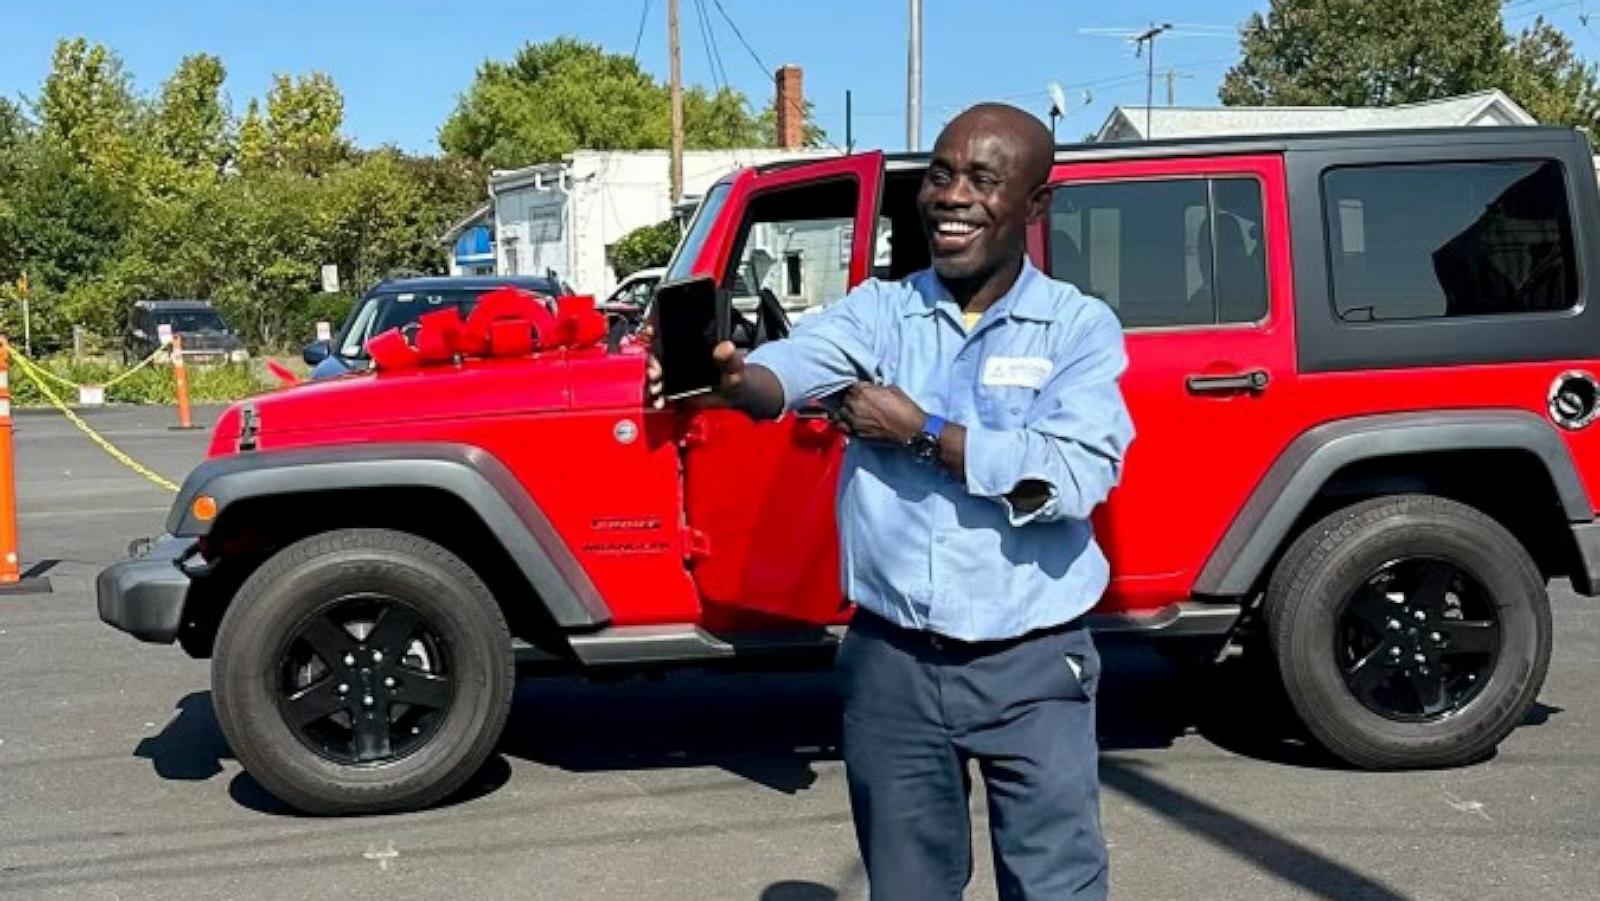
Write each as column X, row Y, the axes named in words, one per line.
column 955, row 194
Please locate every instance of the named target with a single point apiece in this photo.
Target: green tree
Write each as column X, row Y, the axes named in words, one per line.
column 563, row 95
column 15, row 138
column 191, row 120
column 644, row 247
column 1542, row 71
column 1365, row 52
column 86, row 106
column 255, row 146
column 304, row 116
column 551, row 99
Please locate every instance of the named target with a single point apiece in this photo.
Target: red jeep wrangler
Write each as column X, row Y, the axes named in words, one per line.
column 1362, row 376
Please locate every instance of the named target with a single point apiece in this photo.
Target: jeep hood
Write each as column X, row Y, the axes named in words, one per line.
column 549, row 382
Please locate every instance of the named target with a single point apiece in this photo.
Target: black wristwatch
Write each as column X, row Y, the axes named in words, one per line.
column 925, row 444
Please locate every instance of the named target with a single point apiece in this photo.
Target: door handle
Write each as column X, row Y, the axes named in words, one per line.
column 1255, row 381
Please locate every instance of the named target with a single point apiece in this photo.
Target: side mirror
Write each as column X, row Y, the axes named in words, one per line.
column 315, row 352
column 140, row 334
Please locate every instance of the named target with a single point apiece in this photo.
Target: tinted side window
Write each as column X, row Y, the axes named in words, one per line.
column 1441, row 240
column 1164, row 253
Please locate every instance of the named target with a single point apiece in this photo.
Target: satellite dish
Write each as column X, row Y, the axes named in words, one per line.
column 1058, row 100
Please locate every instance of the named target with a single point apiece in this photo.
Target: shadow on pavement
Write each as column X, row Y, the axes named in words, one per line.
column 771, row 728
column 191, row 749
column 1317, row 875
column 794, row 890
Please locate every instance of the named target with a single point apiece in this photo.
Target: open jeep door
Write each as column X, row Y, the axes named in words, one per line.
column 759, row 497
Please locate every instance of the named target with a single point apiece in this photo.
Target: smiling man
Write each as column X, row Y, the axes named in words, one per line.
column 988, row 424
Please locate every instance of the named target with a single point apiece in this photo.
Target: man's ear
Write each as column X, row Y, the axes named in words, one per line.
column 1039, row 203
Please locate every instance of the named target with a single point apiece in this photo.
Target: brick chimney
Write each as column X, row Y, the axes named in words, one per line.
column 791, row 101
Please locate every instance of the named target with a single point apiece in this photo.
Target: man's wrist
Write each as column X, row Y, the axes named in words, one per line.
column 924, row 445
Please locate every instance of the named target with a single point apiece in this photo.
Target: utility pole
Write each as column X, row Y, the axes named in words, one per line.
column 849, row 126
column 914, row 80
column 1172, row 76
column 1149, row 37
column 676, row 172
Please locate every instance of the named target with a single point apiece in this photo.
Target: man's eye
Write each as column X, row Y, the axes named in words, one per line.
column 939, row 178
column 985, row 182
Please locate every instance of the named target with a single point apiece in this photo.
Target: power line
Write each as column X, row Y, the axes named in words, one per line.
column 639, row 36
column 713, row 53
column 798, row 108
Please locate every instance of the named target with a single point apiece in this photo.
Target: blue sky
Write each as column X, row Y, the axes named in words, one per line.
column 402, row 63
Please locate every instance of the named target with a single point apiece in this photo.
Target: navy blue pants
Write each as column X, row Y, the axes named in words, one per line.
column 918, row 708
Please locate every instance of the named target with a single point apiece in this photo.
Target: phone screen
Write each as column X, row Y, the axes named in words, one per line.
column 687, row 331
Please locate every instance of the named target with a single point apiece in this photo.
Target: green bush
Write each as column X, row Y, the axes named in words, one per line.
column 153, row 384
column 644, row 248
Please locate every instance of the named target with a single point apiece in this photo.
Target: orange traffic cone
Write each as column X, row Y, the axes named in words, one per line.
column 180, row 375
column 12, row 581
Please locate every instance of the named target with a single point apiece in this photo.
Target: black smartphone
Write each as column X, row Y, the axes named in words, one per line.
column 692, row 318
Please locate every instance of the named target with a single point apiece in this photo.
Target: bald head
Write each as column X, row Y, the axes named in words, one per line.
column 987, row 180
column 1028, row 138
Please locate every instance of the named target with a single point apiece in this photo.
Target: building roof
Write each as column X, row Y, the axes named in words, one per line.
column 482, row 215
column 1491, row 107
column 469, row 283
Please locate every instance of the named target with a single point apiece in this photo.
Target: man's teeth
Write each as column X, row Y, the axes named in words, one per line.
column 956, row 228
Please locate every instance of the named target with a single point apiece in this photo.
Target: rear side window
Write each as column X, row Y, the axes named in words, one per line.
column 1449, row 239
column 1171, row 252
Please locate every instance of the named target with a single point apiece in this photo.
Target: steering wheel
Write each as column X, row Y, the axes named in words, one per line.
column 772, row 323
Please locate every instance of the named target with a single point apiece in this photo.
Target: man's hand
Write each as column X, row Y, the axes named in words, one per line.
column 751, row 389
column 881, row 413
column 730, row 362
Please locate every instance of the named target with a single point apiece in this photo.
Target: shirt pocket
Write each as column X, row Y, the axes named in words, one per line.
column 1005, row 406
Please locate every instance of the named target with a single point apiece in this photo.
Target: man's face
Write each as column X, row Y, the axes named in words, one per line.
column 975, row 201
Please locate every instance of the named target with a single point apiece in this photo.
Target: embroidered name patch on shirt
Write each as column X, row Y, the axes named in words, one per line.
column 1019, row 372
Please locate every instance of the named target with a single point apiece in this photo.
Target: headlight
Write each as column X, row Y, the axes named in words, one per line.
column 239, row 356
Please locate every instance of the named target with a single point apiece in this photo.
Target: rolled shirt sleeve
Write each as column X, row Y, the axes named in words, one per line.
column 1074, row 436
column 828, row 351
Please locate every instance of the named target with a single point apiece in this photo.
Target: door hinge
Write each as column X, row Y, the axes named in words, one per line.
column 696, row 433
column 696, row 545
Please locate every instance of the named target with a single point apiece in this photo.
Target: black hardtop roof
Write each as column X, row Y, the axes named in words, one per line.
column 174, row 304
column 464, row 283
column 1222, row 145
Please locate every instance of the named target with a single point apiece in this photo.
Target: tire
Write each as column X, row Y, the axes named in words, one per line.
column 459, row 629
column 1323, row 578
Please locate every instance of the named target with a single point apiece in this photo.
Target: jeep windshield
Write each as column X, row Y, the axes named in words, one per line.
column 377, row 313
column 186, row 321
column 681, row 265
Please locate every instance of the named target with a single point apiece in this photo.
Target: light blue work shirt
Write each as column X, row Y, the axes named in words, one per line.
column 1035, row 385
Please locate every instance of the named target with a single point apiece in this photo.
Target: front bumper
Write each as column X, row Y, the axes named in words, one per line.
column 144, row 596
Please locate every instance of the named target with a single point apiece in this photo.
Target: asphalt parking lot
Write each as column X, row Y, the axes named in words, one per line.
column 116, row 783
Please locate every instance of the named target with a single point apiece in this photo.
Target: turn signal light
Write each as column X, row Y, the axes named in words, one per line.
column 204, row 508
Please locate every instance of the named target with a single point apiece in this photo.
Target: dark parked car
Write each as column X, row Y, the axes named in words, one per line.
column 397, row 303
column 207, row 337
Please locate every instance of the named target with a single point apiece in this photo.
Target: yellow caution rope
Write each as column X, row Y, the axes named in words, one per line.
column 32, row 370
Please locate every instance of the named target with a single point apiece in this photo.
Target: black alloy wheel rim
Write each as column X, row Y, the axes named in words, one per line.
column 1418, row 640
column 365, row 680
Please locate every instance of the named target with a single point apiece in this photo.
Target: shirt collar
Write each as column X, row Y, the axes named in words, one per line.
column 1025, row 299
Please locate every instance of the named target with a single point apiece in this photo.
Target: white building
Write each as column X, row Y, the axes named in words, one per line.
column 1130, row 123
column 564, row 216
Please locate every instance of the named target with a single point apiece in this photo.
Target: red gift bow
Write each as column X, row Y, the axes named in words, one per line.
column 507, row 322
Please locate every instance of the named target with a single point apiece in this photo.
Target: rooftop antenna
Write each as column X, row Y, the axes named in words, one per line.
column 1146, row 37
column 1058, row 104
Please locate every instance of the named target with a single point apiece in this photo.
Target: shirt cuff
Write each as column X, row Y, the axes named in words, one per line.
column 997, row 462
column 772, row 358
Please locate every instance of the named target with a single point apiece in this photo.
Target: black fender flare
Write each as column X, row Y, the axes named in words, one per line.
column 1293, row 480
column 471, row 474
